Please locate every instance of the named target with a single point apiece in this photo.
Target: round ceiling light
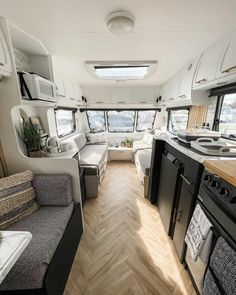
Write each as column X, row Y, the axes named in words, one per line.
column 120, row 22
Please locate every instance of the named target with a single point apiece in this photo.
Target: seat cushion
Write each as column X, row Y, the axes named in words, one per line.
column 144, row 159
column 93, row 154
column 47, row 226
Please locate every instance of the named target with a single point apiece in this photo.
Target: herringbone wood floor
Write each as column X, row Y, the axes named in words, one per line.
column 124, row 249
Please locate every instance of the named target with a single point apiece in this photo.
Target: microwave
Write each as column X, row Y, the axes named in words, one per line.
column 35, row 87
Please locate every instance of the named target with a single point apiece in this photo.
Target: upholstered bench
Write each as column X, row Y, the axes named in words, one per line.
column 56, row 229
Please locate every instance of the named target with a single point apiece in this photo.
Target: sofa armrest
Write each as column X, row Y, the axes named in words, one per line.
column 53, row 189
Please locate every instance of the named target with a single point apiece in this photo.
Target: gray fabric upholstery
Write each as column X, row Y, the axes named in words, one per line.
column 80, row 141
column 144, row 159
column 93, row 154
column 47, row 226
column 53, row 190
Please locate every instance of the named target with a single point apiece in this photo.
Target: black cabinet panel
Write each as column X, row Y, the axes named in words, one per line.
column 167, row 191
column 181, row 219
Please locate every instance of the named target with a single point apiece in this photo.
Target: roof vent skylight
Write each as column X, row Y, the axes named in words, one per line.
column 131, row 70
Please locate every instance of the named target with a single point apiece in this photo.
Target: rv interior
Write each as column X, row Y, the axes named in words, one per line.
column 118, row 147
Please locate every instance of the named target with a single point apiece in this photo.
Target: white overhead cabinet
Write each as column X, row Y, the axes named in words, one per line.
column 77, row 93
column 5, row 59
column 69, row 89
column 120, row 95
column 207, row 66
column 98, row 95
column 227, row 64
column 143, row 95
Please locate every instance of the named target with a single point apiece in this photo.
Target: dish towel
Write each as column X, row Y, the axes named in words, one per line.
column 197, row 232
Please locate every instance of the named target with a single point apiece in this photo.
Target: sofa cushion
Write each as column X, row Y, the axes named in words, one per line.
column 96, row 138
column 80, row 141
column 53, row 189
column 93, row 154
column 47, row 226
column 17, row 198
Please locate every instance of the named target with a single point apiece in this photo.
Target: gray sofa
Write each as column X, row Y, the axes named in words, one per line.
column 93, row 159
column 43, row 268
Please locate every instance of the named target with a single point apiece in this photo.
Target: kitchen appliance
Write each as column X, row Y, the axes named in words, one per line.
column 35, row 87
column 174, row 183
column 209, row 146
column 189, row 135
column 217, row 199
column 170, row 173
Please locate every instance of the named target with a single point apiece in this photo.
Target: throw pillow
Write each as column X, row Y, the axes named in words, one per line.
column 17, row 198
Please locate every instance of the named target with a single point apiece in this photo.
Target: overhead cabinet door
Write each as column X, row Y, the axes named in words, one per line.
column 5, row 60
column 206, row 70
column 228, row 61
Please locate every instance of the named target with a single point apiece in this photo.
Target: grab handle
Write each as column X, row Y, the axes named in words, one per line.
column 205, row 139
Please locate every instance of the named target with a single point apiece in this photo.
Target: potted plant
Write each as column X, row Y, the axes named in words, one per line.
column 129, row 142
column 30, row 134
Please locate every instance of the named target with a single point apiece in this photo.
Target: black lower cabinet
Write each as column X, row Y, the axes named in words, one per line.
column 182, row 215
column 175, row 179
column 82, row 185
column 168, row 187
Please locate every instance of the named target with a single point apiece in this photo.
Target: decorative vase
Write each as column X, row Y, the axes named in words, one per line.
column 36, row 154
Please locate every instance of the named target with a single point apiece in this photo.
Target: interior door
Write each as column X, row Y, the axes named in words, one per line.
column 167, row 190
column 181, row 219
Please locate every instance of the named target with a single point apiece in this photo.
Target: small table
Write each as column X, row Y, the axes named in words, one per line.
column 12, row 245
column 120, row 153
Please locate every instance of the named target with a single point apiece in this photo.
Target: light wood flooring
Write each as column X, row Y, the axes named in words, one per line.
column 124, row 249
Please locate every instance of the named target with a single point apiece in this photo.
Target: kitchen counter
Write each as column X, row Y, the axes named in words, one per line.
column 194, row 155
column 226, row 169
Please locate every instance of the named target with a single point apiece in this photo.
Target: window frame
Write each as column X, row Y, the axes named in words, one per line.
column 218, row 110
column 106, row 110
column 176, row 109
column 105, row 120
column 120, row 111
column 73, row 110
column 153, row 122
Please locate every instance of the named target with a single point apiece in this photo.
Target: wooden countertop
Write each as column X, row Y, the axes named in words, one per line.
column 226, row 169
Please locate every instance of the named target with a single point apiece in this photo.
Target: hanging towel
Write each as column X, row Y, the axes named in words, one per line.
column 197, row 232
column 206, row 249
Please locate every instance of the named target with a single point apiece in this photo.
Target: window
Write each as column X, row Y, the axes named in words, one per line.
column 177, row 120
column 96, row 120
column 65, row 121
column 145, row 120
column 225, row 118
column 120, row 121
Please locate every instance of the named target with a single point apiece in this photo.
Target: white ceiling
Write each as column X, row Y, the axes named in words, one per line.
column 170, row 31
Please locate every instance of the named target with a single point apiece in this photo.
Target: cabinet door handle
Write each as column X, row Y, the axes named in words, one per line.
column 177, row 215
column 229, row 70
column 98, row 101
column 186, row 180
column 1, row 64
column 182, row 96
column 121, row 101
column 201, row 81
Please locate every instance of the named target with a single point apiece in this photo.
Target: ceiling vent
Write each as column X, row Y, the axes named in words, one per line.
column 121, row 70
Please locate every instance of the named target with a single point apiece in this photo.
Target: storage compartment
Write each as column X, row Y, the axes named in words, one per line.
column 5, row 58
column 168, row 189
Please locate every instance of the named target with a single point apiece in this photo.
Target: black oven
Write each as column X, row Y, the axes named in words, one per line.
column 216, row 198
